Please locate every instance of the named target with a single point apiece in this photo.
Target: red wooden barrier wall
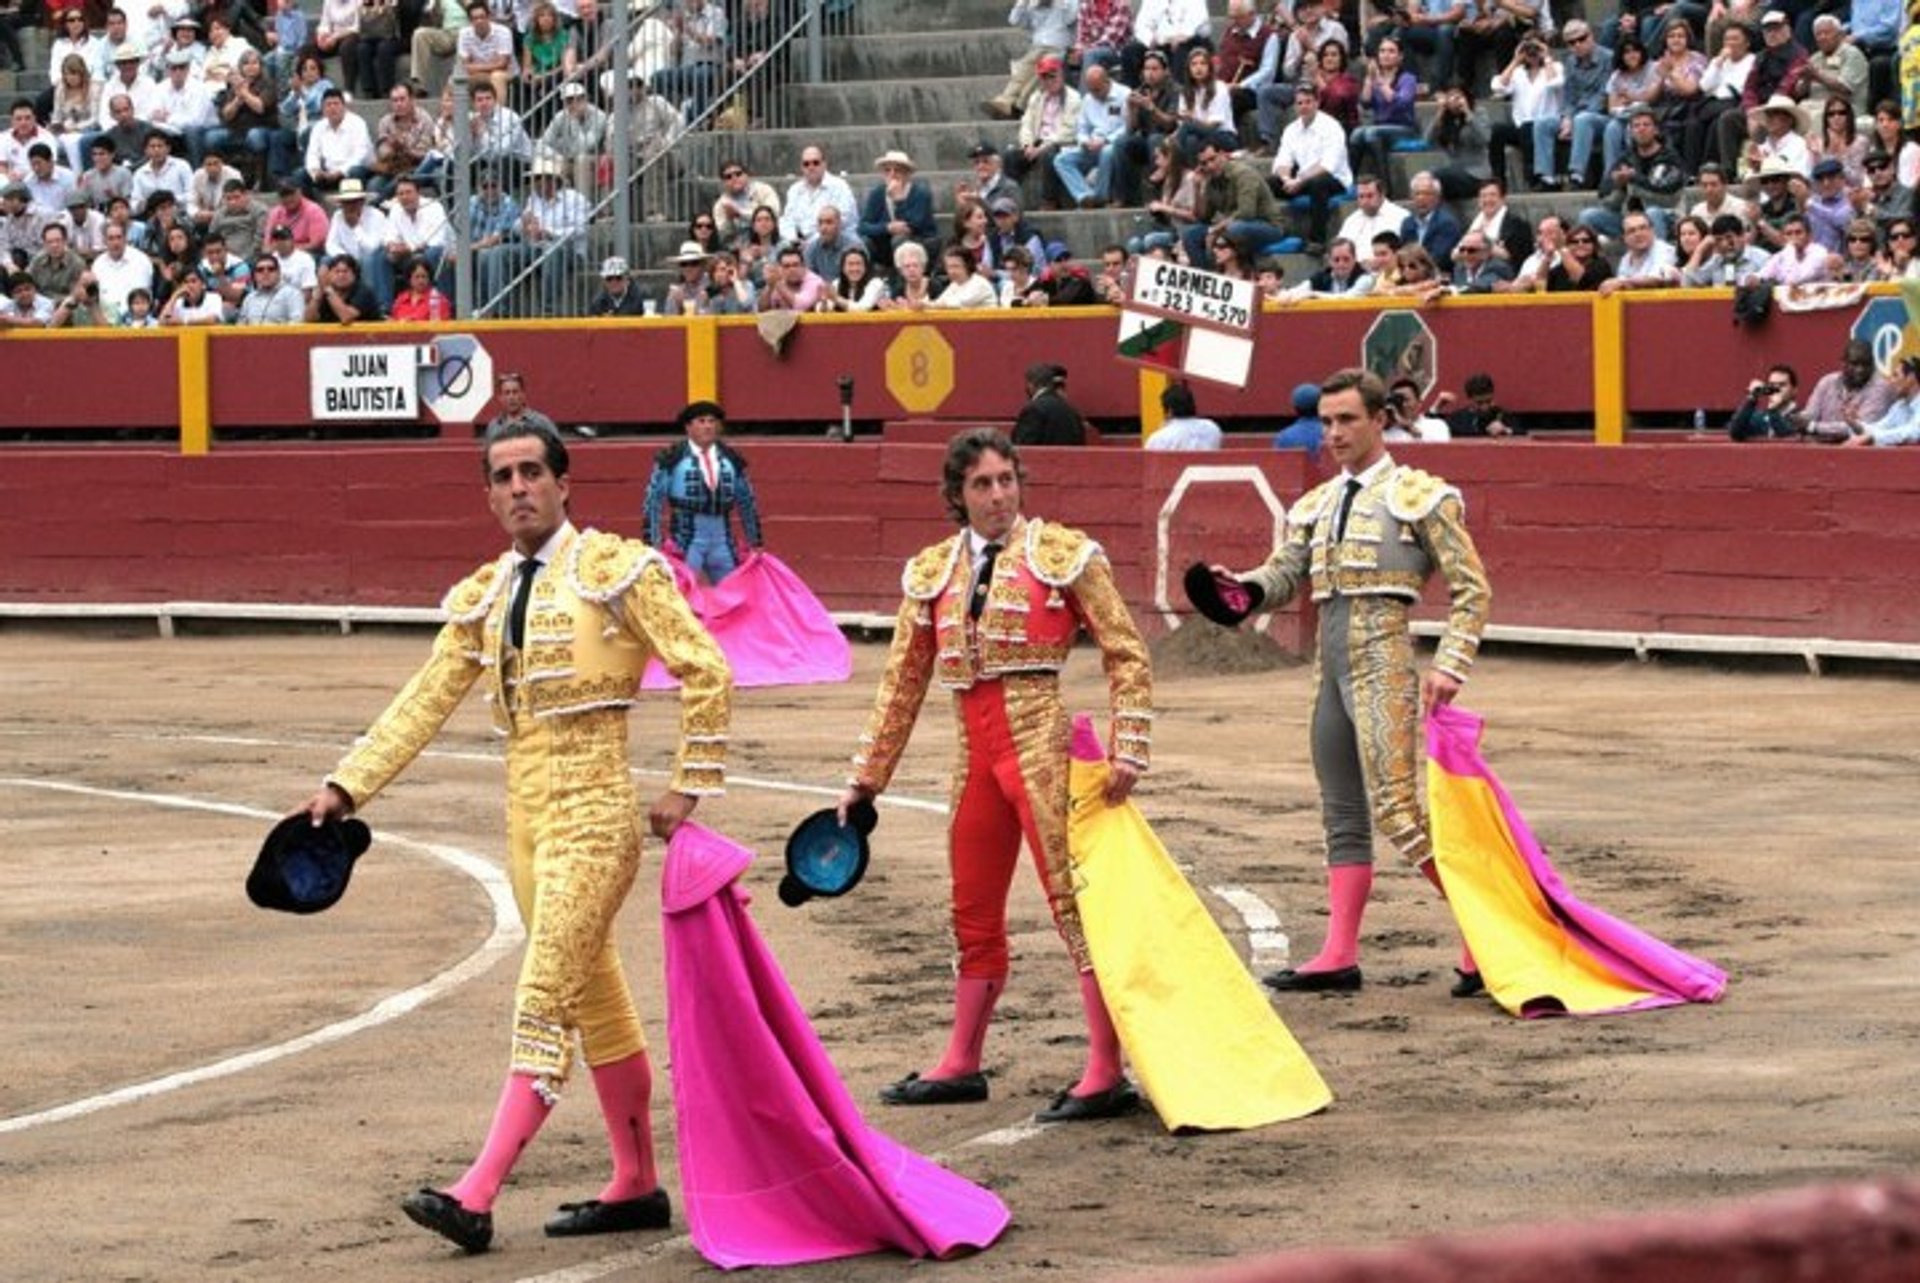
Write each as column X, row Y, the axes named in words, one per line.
column 1782, row 540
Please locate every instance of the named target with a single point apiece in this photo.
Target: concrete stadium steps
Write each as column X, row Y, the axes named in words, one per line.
column 911, row 55
column 942, row 100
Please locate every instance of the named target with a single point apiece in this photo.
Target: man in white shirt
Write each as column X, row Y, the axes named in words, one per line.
column 1716, row 198
column 360, row 231
column 297, row 267
column 1172, row 26
column 1311, row 161
column 552, row 232
column 1372, row 213
column 21, row 137
column 416, row 226
column 119, row 271
column 182, row 107
column 1534, row 84
column 162, row 172
column 1103, row 118
column 339, row 147
column 126, row 78
column 1782, row 127
column 815, row 187
column 485, row 49
column 1183, row 428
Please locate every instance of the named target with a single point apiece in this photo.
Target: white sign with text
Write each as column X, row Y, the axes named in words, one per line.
column 377, row 383
column 1189, row 294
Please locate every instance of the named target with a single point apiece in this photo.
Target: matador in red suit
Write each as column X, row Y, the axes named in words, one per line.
column 991, row 614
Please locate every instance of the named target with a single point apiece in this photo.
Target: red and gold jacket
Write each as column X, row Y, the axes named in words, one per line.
column 1050, row 584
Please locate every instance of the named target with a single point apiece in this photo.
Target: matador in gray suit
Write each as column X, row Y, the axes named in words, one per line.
column 1367, row 541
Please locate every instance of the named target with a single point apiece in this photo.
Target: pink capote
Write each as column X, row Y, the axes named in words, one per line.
column 773, row 631
column 776, row 1165
column 1529, row 932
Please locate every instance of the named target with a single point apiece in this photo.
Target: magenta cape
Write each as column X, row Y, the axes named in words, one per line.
column 1541, row 950
column 776, row 1165
column 771, row 629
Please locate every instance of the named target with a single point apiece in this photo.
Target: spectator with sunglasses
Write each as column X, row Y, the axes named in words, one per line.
column 816, row 186
column 1582, row 267
column 1768, row 413
column 740, row 194
column 1884, row 198
column 1899, row 260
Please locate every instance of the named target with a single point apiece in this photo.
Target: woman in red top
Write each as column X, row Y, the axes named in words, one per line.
column 420, row 301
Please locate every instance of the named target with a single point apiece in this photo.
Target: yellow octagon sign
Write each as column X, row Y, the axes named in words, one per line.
column 919, row 369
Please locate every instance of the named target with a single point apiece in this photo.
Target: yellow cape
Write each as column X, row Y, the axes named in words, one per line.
column 1205, row 1044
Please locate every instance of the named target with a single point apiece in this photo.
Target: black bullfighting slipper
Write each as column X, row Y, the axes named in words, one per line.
column 1339, row 980
column 1468, row 984
column 442, row 1213
column 648, row 1212
column 965, row 1089
column 1116, row 1100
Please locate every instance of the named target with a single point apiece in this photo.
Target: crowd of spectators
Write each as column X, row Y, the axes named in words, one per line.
column 1356, row 134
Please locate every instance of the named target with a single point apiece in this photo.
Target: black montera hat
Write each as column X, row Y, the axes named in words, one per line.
column 1221, row 597
column 304, row 867
column 826, row 857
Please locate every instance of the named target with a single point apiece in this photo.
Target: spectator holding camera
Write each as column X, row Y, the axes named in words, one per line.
column 1768, row 413
column 1481, row 416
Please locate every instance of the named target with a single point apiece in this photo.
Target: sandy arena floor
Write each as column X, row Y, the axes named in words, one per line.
column 1763, row 818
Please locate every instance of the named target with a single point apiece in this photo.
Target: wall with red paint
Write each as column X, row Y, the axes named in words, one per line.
column 1783, row 540
column 1681, row 352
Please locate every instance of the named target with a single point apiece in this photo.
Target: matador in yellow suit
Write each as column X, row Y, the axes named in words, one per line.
column 991, row 615
column 1367, row 541
column 558, row 632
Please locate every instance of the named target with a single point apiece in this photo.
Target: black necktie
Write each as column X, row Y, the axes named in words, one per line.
column 983, row 582
column 1346, row 506
column 517, row 618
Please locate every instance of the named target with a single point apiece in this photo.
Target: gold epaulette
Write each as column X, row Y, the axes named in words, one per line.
column 468, row 600
column 1413, row 494
column 1310, row 505
column 1057, row 554
column 603, row 566
column 928, row 571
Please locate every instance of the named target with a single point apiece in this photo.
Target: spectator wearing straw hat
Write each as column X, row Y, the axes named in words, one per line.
column 687, row 296
column 360, row 230
column 897, row 209
column 1778, row 128
column 1778, row 66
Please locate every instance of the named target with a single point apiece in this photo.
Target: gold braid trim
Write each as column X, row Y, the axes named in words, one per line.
column 468, row 601
column 1412, row 494
column 896, row 705
column 1314, row 502
column 1058, row 554
column 931, row 569
column 1103, row 612
column 601, row 567
column 1444, row 531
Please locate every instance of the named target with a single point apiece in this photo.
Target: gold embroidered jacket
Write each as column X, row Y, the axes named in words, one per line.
column 1401, row 526
column 1051, row 582
column 591, row 628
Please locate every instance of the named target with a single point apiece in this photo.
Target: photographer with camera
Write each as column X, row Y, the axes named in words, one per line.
column 1768, row 413
column 1535, row 86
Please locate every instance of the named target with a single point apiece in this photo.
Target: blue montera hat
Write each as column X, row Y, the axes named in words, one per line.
column 303, row 867
column 826, row 857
